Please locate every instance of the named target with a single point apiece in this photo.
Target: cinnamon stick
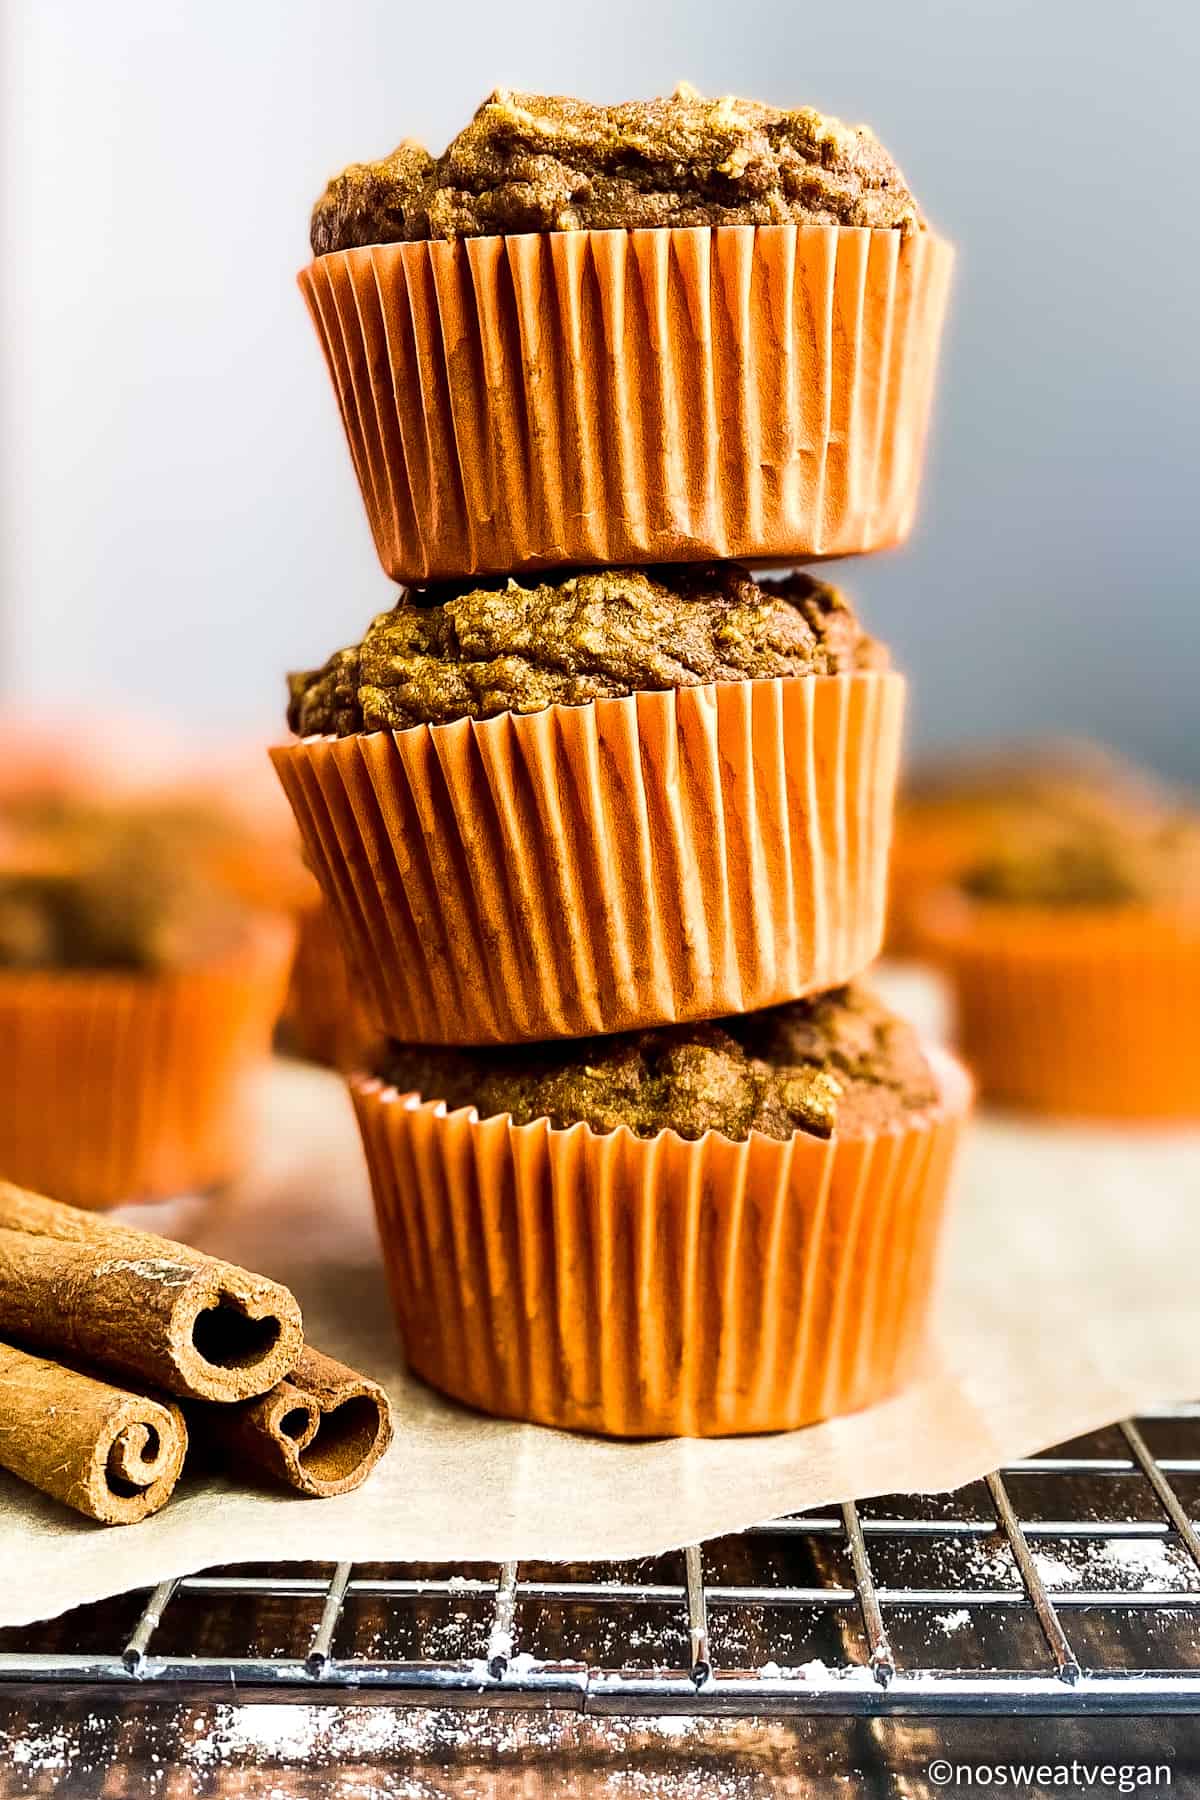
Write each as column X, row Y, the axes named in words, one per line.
column 321, row 1431
column 112, row 1455
column 140, row 1304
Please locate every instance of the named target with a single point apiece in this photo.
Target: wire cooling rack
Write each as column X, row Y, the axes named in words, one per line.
column 1066, row 1583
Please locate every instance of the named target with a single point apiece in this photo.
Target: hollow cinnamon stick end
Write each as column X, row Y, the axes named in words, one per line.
column 237, row 1336
column 142, row 1305
column 321, row 1431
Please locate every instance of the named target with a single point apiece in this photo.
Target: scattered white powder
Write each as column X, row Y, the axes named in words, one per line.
column 816, row 1671
column 987, row 1566
column 1155, row 1565
column 40, row 1750
column 227, row 1737
column 249, row 1735
column 522, row 1665
column 452, row 1639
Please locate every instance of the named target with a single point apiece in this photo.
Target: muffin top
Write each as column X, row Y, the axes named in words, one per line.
column 838, row 1061
column 539, row 162
column 86, row 888
column 1055, row 777
column 1061, row 822
column 445, row 653
column 1096, row 860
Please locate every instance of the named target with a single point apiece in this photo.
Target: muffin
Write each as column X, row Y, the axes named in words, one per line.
column 953, row 808
column 657, row 331
column 236, row 833
column 700, row 1230
column 1073, row 950
column 599, row 801
column 324, row 1017
column 135, row 998
column 321, row 1019
column 257, row 855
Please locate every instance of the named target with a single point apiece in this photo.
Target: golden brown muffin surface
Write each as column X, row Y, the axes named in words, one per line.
column 1060, row 777
column 1062, row 822
column 85, row 887
column 1092, row 861
column 1043, row 815
column 840, row 1060
column 539, row 162
column 443, row 654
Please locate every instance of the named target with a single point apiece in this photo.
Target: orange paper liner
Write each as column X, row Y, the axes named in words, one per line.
column 662, row 1287
column 1087, row 1013
column 638, row 861
column 122, row 1087
column 930, row 849
column 269, row 877
column 746, row 392
column 323, row 1016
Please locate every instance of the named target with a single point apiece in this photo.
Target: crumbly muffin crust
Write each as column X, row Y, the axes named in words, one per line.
column 539, row 162
column 1058, row 777
column 444, row 653
column 87, row 889
column 840, row 1060
column 1093, row 861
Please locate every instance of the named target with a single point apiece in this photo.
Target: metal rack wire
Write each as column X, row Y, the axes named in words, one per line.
column 999, row 1597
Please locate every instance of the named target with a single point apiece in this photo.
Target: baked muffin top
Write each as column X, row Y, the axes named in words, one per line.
column 1059, row 777
column 840, row 1060
column 540, row 162
column 90, row 888
column 1059, row 822
column 1089, row 861
column 454, row 652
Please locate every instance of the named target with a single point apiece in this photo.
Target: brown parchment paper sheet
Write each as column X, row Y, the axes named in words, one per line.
column 1067, row 1300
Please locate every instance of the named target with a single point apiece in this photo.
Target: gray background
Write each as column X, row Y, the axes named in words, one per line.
column 180, row 518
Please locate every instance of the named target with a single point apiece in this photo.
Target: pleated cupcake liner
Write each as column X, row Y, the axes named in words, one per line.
column 756, row 393
column 121, row 1087
column 1089, row 1013
column 928, row 855
column 324, row 1020
column 658, row 1287
column 639, row 861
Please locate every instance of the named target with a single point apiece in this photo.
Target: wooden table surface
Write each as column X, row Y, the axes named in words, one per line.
column 81, row 1746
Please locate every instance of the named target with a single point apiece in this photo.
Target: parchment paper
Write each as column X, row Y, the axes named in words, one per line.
column 1068, row 1300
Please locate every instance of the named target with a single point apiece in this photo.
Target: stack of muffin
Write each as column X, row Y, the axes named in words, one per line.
column 603, row 819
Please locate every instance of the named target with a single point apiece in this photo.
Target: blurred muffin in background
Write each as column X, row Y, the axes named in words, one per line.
column 136, row 995
column 324, row 1020
column 76, row 754
column 257, row 854
column 954, row 807
column 1072, row 945
column 227, row 818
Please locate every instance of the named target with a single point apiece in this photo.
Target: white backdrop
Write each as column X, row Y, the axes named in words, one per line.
column 180, row 519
